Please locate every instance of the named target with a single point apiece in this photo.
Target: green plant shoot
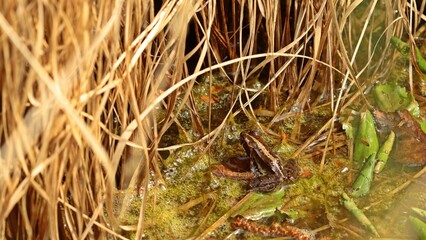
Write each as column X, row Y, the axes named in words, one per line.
column 404, row 49
column 383, row 154
column 420, row 212
column 350, row 205
column 419, row 225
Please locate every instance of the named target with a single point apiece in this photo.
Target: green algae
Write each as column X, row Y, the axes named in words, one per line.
column 187, row 177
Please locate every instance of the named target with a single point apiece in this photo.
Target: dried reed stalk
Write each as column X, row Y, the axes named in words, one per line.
column 82, row 81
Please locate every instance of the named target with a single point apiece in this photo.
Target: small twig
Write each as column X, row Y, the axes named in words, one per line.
column 396, row 190
column 312, row 138
column 225, row 216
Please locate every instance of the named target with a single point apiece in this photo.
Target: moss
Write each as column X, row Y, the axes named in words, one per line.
column 187, row 178
column 165, row 220
column 318, row 196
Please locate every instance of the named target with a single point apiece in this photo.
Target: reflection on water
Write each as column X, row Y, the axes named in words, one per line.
column 395, row 222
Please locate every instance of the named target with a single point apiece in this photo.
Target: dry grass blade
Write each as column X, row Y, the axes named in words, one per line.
column 97, row 96
column 221, row 220
column 30, row 138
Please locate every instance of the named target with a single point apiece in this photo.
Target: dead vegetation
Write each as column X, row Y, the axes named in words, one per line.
column 83, row 84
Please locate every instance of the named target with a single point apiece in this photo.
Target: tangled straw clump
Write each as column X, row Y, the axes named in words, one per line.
column 74, row 74
column 56, row 59
column 81, row 82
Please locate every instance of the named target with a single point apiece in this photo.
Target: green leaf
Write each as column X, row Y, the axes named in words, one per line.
column 423, row 126
column 391, row 97
column 260, row 205
column 366, row 141
column 419, row 226
column 384, row 151
column 362, row 183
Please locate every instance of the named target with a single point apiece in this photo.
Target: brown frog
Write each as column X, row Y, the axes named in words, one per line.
column 266, row 171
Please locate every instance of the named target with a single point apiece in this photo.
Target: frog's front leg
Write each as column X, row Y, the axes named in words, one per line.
column 289, row 173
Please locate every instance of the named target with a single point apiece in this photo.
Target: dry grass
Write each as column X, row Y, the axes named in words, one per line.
column 82, row 82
